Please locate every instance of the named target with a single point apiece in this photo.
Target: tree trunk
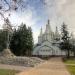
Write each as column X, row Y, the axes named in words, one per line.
column 74, row 53
column 68, row 54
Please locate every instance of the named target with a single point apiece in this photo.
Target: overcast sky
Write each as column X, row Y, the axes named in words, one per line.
column 37, row 12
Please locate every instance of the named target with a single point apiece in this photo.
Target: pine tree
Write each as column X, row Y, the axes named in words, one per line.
column 14, row 44
column 3, row 40
column 18, row 42
column 22, row 41
column 29, row 41
column 65, row 38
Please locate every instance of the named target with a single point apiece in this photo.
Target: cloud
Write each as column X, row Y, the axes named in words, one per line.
column 61, row 10
column 28, row 16
column 35, row 35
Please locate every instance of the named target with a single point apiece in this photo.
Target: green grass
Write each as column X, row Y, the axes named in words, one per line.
column 71, row 68
column 70, row 61
column 7, row 72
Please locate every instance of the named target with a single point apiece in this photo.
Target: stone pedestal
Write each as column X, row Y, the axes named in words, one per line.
column 7, row 53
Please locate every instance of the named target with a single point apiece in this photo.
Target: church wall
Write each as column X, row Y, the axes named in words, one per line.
column 46, row 41
column 45, row 50
column 39, row 39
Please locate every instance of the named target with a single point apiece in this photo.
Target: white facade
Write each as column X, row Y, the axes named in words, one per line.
column 48, row 43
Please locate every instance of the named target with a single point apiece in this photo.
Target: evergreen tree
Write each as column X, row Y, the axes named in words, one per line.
column 3, row 39
column 15, row 43
column 22, row 41
column 65, row 45
column 29, row 41
column 18, row 42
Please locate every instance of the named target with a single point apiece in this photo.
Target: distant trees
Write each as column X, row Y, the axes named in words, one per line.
column 74, row 49
column 72, row 44
column 65, row 44
column 3, row 39
column 29, row 41
column 22, row 41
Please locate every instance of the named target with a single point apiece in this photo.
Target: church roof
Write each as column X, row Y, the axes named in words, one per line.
column 48, row 27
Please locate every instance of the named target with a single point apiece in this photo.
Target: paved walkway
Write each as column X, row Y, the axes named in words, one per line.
column 54, row 66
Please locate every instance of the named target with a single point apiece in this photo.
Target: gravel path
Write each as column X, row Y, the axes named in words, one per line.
column 54, row 66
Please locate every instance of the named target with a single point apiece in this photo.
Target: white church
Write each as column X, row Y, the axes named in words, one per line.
column 48, row 43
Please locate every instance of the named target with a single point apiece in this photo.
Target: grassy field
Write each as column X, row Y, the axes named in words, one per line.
column 7, row 72
column 70, row 66
column 71, row 69
column 70, row 61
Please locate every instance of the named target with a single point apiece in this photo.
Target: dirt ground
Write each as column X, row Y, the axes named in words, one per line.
column 53, row 66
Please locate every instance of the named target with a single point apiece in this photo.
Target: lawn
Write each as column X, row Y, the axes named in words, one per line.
column 71, row 68
column 70, row 61
column 7, row 72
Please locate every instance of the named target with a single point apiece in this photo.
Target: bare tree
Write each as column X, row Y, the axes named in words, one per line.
column 5, row 7
column 11, row 5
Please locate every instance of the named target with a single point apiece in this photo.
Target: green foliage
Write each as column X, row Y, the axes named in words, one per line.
column 3, row 39
column 22, row 41
column 29, row 41
column 65, row 44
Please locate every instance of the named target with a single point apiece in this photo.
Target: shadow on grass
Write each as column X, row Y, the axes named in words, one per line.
column 70, row 64
column 7, row 72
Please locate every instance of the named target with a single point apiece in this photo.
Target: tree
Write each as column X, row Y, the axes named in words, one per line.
column 3, row 39
column 72, row 41
column 22, row 41
column 74, row 50
column 65, row 44
column 29, row 41
column 15, row 43
column 18, row 42
column 6, row 6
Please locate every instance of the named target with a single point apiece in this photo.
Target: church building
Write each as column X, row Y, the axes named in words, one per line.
column 48, row 43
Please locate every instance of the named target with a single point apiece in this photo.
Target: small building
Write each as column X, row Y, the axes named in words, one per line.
column 48, row 43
